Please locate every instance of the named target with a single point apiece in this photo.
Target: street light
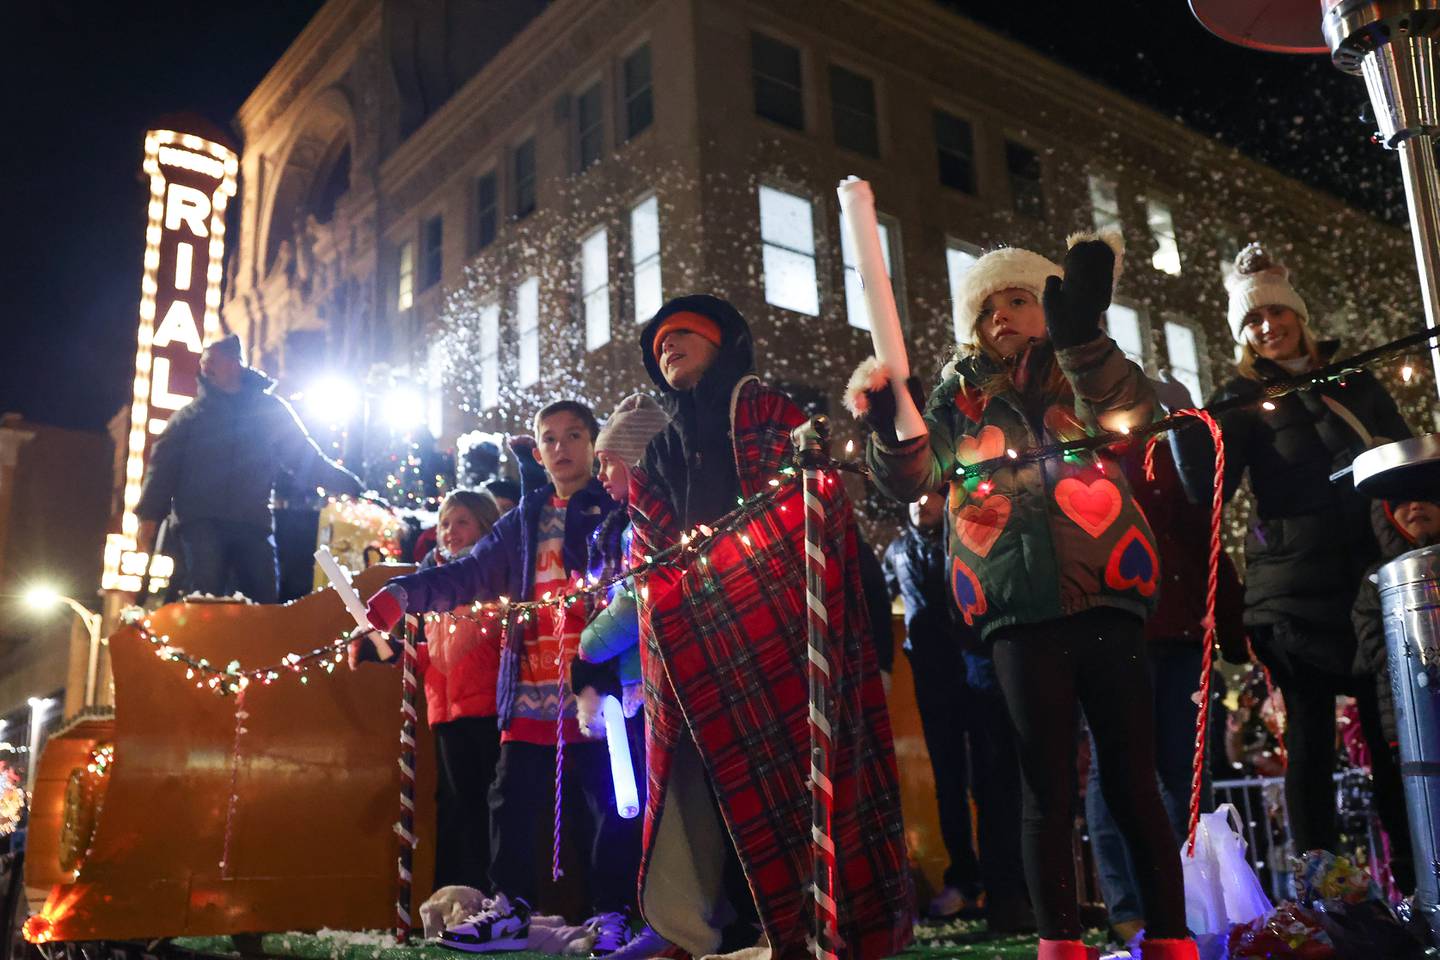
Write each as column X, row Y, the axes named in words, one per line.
column 44, row 597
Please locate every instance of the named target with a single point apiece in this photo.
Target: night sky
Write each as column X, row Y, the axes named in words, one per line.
column 83, row 81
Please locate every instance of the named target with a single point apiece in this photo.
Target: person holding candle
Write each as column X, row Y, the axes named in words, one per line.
column 1051, row 561
column 728, row 848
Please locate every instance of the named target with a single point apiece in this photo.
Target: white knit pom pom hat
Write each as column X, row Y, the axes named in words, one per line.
column 1259, row 281
column 1013, row 267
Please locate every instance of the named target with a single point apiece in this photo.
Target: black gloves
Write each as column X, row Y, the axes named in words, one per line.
column 1073, row 306
column 881, row 412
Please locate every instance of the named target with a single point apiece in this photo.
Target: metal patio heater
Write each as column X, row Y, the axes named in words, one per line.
column 1394, row 45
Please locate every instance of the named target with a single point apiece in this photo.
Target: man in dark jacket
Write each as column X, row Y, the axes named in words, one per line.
column 966, row 729
column 213, row 470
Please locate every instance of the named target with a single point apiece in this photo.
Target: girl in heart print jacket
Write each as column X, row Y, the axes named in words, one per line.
column 1053, row 562
column 1036, row 541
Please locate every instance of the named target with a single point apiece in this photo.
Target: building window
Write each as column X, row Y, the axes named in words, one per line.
column 1104, row 201
column 590, row 118
column 958, row 259
column 595, row 288
column 1183, row 349
column 857, row 311
column 432, row 262
column 524, row 179
column 1022, row 167
column 406, row 287
column 527, row 330
column 779, row 90
column 645, row 257
column 787, row 233
column 487, row 219
column 852, row 112
column 639, row 101
column 1127, row 329
column 955, row 148
column 1166, row 257
column 489, row 356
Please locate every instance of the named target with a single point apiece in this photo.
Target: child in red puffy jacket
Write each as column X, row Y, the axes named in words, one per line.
column 459, row 661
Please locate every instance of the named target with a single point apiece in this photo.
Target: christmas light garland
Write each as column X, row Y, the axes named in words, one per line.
column 1269, row 390
column 695, row 543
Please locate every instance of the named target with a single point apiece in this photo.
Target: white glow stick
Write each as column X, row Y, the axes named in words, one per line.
column 339, row 579
column 857, row 208
column 627, row 800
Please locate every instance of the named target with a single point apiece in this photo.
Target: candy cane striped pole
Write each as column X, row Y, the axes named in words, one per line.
column 405, row 826
column 812, row 441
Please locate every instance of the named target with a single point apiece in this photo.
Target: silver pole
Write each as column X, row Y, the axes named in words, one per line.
column 1422, row 194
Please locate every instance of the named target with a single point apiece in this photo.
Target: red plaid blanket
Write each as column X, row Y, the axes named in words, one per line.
column 724, row 655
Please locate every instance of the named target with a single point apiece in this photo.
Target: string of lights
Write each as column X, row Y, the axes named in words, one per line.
column 1269, row 391
column 694, row 543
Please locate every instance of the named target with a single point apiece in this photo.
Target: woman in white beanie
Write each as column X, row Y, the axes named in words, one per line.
column 1310, row 541
column 1052, row 562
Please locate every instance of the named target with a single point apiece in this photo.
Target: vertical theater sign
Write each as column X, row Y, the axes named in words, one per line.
column 191, row 180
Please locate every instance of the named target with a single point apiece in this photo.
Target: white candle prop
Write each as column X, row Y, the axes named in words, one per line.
column 627, row 800
column 340, row 579
column 857, row 208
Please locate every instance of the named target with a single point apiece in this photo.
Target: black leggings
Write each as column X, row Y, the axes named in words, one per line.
column 1095, row 659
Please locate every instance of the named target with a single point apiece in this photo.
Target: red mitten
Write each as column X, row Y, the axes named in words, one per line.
column 385, row 608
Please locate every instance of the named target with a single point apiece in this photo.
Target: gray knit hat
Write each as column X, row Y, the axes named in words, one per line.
column 629, row 429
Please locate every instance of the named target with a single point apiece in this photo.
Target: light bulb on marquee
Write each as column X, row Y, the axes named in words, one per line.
column 191, row 182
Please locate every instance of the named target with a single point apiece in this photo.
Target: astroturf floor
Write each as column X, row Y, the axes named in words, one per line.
column 960, row 938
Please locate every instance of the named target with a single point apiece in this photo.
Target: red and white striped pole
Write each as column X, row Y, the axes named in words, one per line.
column 812, row 443
column 405, row 826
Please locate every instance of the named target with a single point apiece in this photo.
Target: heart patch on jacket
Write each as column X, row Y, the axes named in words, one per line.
column 1093, row 506
column 988, row 444
column 969, row 595
column 1132, row 564
column 978, row 527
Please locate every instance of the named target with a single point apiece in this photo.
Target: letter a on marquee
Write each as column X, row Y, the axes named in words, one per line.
column 179, row 324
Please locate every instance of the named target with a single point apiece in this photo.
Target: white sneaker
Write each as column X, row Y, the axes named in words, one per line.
column 500, row 925
column 612, row 932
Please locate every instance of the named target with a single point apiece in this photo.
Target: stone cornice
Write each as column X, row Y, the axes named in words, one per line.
column 336, row 26
column 517, row 73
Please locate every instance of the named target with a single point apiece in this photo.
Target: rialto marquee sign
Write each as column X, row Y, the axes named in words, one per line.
column 191, row 180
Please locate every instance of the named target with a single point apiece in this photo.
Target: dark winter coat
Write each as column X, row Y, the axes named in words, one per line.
column 877, row 606
column 691, row 462
column 219, row 455
column 1182, row 539
column 1310, row 539
column 1041, row 540
column 724, row 654
column 1370, row 653
column 916, row 566
column 502, row 564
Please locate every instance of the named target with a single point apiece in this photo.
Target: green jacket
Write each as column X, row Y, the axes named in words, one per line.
column 1042, row 540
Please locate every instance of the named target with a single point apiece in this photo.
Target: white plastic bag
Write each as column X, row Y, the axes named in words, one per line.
column 1221, row 887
